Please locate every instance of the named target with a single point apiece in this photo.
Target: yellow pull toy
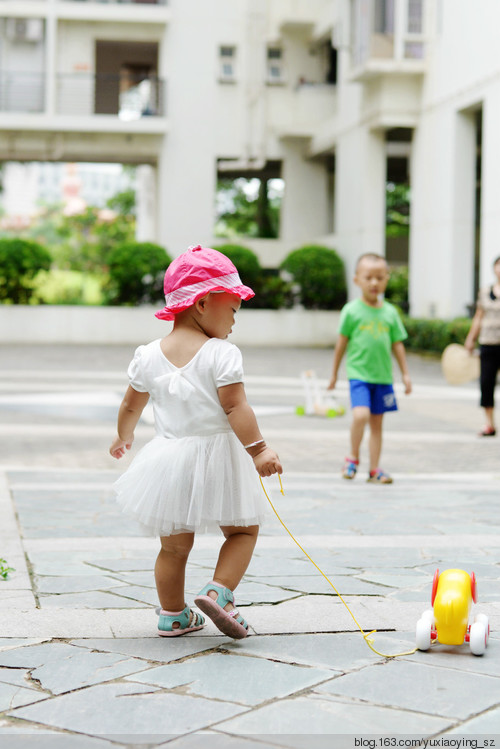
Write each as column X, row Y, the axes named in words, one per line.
column 453, row 593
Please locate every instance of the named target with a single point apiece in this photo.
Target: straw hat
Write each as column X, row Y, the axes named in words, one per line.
column 199, row 271
column 458, row 365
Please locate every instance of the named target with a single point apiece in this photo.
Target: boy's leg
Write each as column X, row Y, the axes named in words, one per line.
column 170, row 569
column 360, row 418
column 234, row 556
column 375, row 440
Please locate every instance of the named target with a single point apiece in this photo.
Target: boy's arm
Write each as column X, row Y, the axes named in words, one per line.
column 244, row 424
column 340, row 348
column 130, row 411
column 400, row 354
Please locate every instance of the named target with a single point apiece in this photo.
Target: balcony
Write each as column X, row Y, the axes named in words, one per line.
column 127, row 97
column 387, row 37
column 298, row 112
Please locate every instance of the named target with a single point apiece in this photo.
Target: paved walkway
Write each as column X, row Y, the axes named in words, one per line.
column 80, row 662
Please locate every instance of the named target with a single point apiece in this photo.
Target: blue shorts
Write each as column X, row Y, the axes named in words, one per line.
column 378, row 398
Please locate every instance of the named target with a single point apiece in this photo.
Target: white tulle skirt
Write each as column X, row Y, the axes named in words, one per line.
column 192, row 484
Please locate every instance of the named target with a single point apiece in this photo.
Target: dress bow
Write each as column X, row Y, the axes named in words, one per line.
column 176, row 385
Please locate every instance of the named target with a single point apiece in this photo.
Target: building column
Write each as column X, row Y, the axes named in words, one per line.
column 442, row 215
column 490, row 186
column 360, row 177
column 50, row 58
column 304, row 211
column 146, row 204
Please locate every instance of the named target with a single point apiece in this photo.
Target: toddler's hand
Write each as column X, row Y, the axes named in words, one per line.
column 267, row 462
column 332, row 383
column 119, row 447
column 407, row 384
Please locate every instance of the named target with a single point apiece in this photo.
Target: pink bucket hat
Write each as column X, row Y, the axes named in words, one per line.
column 197, row 272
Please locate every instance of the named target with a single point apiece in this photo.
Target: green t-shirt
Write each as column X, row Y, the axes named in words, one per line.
column 371, row 332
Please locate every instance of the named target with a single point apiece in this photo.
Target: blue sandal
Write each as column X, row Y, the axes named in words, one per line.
column 229, row 622
column 350, row 468
column 378, row 476
column 186, row 620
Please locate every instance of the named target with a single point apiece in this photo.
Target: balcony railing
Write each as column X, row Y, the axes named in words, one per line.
column 82, row 94
column 22, row 92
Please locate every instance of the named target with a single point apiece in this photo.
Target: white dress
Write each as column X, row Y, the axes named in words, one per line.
column 194, row 474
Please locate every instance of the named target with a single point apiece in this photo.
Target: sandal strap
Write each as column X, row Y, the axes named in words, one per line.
column 224, row 595
column 185, row 618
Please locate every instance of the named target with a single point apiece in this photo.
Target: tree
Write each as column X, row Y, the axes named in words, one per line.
column 248, row 207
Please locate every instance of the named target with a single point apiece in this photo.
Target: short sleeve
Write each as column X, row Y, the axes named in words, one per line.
column 398, row 330
column 345, row 322
column 228, row 366
column 136, row 371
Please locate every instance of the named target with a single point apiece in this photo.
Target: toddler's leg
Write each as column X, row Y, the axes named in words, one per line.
column 375, row 440
column 170, row 569
column 234, row 556
column 360, row 417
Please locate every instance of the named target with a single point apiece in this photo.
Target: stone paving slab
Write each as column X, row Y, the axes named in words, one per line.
column 130, row 709
column 248, row 682
column 455, row 695
column 317, row 714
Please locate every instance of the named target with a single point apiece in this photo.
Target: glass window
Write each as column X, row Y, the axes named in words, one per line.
column 227, row 63
column 274, row 64
column 415, row 16
column 384, row 17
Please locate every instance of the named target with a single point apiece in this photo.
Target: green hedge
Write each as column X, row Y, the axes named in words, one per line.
column 434, row 335
column 20, row 261
column 319, row 272
column 136, row 271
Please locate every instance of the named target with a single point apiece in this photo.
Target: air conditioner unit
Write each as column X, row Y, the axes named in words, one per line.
column 25, row 29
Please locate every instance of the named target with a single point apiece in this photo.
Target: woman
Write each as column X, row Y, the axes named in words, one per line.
column 486, row 327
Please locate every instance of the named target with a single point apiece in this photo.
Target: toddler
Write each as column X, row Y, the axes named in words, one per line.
column 197, row 472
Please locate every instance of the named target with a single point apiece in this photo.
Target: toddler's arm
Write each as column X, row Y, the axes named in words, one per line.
column 244, row 424
column 340, row 348
column 131, row 408
column 400, row 354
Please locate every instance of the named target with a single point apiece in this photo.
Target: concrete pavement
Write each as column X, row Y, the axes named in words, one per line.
column 80, row 661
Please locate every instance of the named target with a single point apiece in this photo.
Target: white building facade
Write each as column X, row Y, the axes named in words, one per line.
column 336, row 97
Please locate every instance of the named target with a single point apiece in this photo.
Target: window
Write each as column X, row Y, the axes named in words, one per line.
column 414, row 42
column 227, row 63
column 275, row 65
column 383, row 21
column 415, row 9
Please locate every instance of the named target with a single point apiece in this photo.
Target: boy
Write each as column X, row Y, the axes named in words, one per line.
column 369, row 329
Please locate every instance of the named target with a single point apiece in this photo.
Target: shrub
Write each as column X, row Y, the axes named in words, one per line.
column 67, row 287
column 136, row 271
column 20, row 261
column 321, row 275
column 272, row 292
column 246, row 262
column 397, row 288
column 434, row 335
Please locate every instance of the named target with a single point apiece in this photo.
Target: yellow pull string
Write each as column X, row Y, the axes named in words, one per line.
column 366, row 635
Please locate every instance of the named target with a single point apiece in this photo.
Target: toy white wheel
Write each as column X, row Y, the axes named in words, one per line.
column 428, row 615
column 484, row 620
column 423, row 634
column 478, row 638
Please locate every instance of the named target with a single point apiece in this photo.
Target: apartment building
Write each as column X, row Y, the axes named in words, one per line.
column 336, row 97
